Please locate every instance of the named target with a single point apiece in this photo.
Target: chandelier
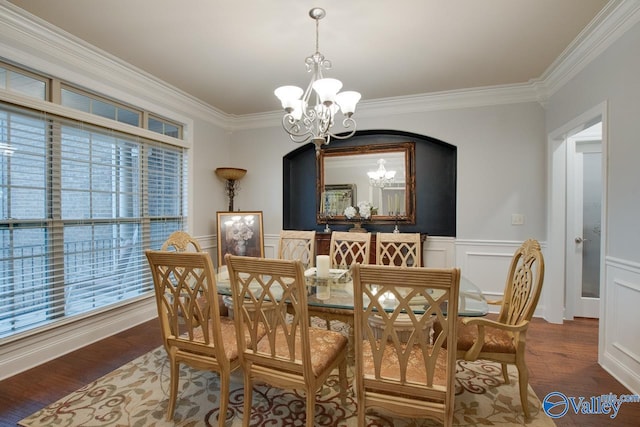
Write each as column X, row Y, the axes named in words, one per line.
column 381, row 177
column 305, row 119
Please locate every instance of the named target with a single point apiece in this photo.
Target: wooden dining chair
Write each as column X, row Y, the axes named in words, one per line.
column 411, row 378
column 503, row 340
column 348, row 248
column 298, row 244
column 181, row 241
column 291, row 354
column 400, row 249
column 193, row 333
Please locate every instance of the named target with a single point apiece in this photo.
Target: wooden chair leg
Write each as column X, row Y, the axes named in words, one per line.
column 361, row 415
column 225, row 386
column 173, row 388
column 248, row 399
column 523, row 383
column 342, row 375
column 505, row 373
column 311, row 407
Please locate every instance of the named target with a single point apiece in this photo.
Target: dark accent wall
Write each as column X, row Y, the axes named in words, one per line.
column 435, row 162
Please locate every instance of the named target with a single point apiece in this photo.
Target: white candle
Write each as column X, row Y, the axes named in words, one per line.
column 322, row 266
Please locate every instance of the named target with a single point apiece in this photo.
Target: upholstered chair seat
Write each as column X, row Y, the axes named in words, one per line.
column 495, row 340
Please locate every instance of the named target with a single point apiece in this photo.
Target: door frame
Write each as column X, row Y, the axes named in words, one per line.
column 555, row 272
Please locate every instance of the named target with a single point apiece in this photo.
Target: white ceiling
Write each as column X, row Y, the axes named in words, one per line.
column 232, row 54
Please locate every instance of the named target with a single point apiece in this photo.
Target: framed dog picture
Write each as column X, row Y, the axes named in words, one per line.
column 240, row 233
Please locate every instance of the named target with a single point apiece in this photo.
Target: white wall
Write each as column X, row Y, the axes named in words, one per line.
column 501, row 163
column 614, row 77
column 501, row 156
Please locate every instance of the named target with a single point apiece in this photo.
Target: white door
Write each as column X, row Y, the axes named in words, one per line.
column 584, row 210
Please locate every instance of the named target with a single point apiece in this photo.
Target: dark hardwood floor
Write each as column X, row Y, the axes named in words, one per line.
column 561, row 358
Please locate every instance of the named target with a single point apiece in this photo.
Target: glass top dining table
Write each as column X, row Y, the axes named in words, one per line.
column 336, row 293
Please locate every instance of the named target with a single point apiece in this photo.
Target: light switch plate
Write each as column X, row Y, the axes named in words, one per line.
column 517, row 219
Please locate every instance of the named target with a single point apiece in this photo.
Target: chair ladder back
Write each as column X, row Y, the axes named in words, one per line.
column 524, row 284
column 348, row 248
column 399, row 249
column 297, row 245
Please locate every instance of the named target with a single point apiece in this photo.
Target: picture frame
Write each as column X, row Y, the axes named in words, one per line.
column 239, row 233
column 336, row 197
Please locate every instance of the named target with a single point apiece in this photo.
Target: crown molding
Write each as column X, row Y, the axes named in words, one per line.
column 402, row 105
column 35, row 43
column 616, row 18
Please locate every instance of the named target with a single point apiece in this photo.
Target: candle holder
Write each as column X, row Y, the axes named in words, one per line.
column 231, row 177
column 323, row 288
column 397, row 217
column 325, row 217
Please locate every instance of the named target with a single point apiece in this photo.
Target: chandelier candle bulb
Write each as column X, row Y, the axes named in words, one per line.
column 322, row 266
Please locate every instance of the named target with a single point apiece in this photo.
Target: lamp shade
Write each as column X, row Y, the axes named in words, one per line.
column 289, row 96
column 347, row 101
column 299, row 108
column 327, row 89
column 232, row 174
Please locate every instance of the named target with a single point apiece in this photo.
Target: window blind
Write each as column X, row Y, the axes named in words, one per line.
column 78, row 206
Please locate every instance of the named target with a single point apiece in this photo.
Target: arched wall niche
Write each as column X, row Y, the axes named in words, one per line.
column 435, row 184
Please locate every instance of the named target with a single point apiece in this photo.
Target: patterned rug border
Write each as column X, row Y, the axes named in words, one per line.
column 136, row 394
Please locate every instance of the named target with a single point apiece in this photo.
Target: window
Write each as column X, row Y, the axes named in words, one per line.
column 15, row 79
column 164, row 127
column 22, row 82
column 93, row 104
column 78, row 204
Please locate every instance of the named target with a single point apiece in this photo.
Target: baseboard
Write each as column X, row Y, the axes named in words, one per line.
column 620, row 372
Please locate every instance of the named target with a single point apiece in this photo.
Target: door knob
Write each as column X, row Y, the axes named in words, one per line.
column 579, row 240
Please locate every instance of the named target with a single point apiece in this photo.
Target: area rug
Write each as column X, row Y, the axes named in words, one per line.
column 136, row 395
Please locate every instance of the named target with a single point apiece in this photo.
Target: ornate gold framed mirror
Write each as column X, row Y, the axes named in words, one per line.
column 378, row 177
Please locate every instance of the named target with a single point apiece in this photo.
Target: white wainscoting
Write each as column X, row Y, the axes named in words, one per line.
column 439, row 252
column 620, row 322
column 209, row 244
column 486, row 263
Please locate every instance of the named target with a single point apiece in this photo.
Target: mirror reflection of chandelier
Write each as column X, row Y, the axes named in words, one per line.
column 381, row 177
column 306, row 121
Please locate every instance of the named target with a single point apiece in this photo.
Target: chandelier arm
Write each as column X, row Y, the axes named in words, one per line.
column 300, row 140
column 346, row 123
column 293, row 128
